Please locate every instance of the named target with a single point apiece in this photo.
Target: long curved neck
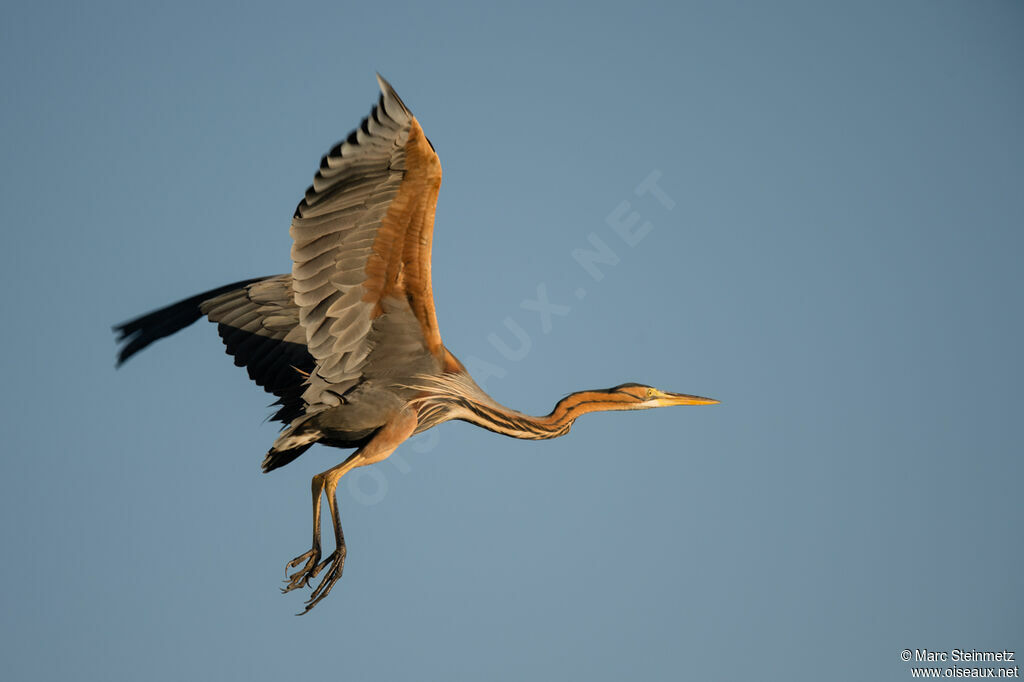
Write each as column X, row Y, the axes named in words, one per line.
column 500, row 419
column 454, row 395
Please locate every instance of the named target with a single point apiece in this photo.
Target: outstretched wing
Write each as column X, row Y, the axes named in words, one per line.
column 259, row 325
column 362, row 238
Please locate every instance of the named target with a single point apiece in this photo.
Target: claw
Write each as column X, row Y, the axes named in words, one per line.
column 302, row 576
column 337, row 564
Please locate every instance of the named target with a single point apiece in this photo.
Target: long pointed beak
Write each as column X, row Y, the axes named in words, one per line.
column 666, row 399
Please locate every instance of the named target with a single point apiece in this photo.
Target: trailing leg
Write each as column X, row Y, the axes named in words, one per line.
column 384, row 441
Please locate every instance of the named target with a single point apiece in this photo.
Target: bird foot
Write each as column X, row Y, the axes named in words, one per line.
column 336, row 563
column 308, row 572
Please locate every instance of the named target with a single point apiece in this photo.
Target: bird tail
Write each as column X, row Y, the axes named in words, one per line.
column 293, row 441
column 278, row 458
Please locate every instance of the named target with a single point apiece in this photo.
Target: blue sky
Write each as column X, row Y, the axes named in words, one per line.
column 834, row 253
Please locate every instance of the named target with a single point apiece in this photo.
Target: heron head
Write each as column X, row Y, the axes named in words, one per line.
column 645, row 397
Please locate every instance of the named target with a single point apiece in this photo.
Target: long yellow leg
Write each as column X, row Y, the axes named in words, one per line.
column 383, row 443
column 302, row 577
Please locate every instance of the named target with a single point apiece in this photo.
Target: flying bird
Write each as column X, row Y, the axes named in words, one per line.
column 348, row 340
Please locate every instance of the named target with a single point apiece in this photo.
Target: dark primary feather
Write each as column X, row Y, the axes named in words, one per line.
column 138, row 333
column 258, row 322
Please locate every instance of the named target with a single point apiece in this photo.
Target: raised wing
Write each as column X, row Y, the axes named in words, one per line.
column 362, row 239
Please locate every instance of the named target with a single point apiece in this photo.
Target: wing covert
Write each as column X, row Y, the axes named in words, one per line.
column 361, row 235
column 259, row 325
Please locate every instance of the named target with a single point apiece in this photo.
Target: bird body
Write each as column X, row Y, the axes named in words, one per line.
column 348, row 341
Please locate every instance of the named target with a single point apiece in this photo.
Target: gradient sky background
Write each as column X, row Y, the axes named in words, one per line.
column 840, row 265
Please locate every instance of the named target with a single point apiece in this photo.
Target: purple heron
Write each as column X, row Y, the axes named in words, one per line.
column 348, row 341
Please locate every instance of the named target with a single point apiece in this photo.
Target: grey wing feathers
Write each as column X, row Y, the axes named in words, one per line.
column 259, row 325
column 334, row 230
